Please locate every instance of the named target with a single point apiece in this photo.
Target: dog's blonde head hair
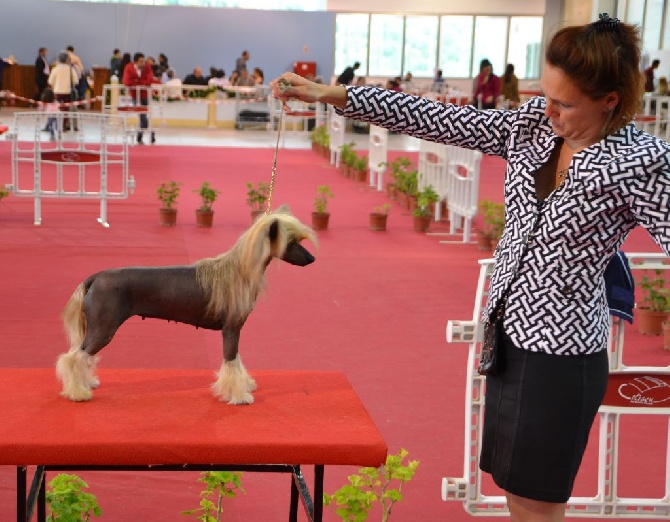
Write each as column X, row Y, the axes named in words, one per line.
column 234, row 280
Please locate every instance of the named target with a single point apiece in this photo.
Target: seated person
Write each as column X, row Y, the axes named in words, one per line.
column 245, row 79
column 173, row 85
column 438, row 85
column 195, row 78
column 259, row 77
column 219, row 79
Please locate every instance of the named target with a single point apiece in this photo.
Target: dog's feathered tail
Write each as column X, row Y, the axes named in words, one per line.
column 74, row 318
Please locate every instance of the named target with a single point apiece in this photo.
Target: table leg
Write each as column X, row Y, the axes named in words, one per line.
column 318, row 492
column 21, row 481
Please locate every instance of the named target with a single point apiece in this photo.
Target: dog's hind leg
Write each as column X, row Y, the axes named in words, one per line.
column 75, row 370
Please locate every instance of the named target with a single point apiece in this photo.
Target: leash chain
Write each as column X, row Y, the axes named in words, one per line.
column 283, row 85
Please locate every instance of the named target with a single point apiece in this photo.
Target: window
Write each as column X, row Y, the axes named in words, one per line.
column 490, row 38
column 351, row 35
column 386, row 45
column 281, row 5
column 420, row 49
column 455, row 45
column 397, row 44
column 653, row 18
column 525, row 46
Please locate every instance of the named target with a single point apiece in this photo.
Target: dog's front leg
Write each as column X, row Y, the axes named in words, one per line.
column 233, row 384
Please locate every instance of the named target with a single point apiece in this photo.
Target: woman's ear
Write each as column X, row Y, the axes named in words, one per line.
column 611, row 101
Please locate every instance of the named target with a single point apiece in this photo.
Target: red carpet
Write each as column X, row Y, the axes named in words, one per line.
column 373, row 306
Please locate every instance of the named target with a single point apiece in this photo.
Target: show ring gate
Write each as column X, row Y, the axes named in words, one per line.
column 90, row 162
column 632, row 390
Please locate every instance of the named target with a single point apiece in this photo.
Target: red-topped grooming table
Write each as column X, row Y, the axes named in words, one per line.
column 169, row 420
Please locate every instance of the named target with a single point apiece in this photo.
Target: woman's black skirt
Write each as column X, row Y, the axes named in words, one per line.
column 537, row 419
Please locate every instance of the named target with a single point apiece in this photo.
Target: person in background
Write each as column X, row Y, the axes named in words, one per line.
column 233, row 77
column 125, row 60
column 173, row 85
column 42, row 71
column 438, row 84
column 161, row 67
column 241, row 62
column 579, row 178
column 662, row 89
column 649, row 76
column 245, row 79
column 63, row 80
column 115, row 63
column 196, row 77
column 347, row 76
column 219, row 79
column 407, row 82
column 139, row 75
column 510, row 87
column 488, row 87
column 51, row 107
column 259, row 77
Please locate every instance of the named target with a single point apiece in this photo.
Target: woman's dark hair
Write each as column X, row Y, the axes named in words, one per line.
column 600, row 58
column 48, row 96
column 509, row 72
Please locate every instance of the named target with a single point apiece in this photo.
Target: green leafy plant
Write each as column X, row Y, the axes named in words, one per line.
column 168, row 192
column 493, row 215
column 405, row 176
column 656, row 295
column 355, row 500
column 4, row 193
column 218, row 484
column 347, row 154
column 320, row 135
column 68, row 502
column 382, row 209
column 208, row 194
column 323, row 194
column 423, row 201
column 360, row 163
column 257, row 195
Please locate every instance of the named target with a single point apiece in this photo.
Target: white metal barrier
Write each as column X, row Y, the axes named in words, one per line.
column 377, row 155
column 90, row 163
column 650, row 395
column 336, row 127
column 453, row 173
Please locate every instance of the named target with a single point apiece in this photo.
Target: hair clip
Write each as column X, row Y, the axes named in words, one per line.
column 606, row 23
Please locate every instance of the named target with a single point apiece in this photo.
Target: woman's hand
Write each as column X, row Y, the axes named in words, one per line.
column 291, row 86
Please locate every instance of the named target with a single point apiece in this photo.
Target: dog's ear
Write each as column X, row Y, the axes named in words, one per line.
column 273, row 231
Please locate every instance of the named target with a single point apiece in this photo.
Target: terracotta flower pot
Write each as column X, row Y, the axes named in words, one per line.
column 361, row 175
column 320, row 220
column 204, row 218
column 650, row 322
column 168, row 216
column 483, row 241
column 378, row 221
column 421, row 223
column 666, row 335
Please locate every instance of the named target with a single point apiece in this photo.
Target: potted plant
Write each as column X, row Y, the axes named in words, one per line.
column 257, row 197
column 168, row 192
column 320, row 140
column 653, row 310
column 494, row 220
column 219, row 485
column 320, row 217
column 379, row 216
column 205, row 215
column 347, row 158
column 67, row 499
column 422, row 213
column 360, row 168
column 399, row 169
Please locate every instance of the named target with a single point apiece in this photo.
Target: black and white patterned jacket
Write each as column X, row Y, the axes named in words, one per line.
column 551, row 256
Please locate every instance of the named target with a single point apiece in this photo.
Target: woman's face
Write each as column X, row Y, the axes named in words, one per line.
column 573, row 115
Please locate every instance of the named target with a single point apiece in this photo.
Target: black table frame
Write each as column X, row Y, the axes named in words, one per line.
column 28, row 500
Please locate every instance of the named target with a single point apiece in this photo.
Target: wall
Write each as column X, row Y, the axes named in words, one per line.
column 189, row 36
column 505, row 7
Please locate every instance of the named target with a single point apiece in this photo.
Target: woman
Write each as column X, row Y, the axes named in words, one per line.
column 579, row 178
column 63, row 81
column 510, row 87
column 488, row 87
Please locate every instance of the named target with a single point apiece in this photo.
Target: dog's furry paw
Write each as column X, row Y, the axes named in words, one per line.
column 79, row 396
column 245, row 398
column 251, row 384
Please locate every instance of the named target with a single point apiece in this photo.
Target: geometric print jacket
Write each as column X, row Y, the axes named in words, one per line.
column 552, row 255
